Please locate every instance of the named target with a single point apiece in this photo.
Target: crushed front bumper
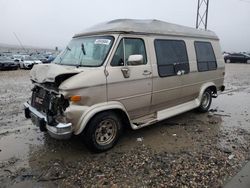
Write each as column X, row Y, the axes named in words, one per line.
column 59, row 131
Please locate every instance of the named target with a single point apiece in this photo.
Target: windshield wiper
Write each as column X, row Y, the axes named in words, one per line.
column 84, row 53
column 83, row 49
column 64, row 53
column 68, row 48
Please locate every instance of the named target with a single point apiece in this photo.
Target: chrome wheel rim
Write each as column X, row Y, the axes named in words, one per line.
column 205, row 100
column 106, row 132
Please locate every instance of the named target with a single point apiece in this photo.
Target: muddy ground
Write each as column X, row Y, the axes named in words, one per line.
column 189, row 150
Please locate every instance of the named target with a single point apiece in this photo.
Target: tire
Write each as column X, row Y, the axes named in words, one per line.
column 206, row 101
column 248, row 61
column 228, row 61
column 102, row 132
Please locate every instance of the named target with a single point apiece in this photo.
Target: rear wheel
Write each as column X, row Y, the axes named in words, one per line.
column 248, row 61
column 102, row 132
column 206, row 101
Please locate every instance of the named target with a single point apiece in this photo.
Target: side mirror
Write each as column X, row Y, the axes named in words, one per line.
column 135, row 60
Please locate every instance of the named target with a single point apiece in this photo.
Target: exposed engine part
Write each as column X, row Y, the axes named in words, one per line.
column 49, row 103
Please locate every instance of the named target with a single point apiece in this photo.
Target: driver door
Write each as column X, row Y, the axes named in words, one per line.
column 130, row 83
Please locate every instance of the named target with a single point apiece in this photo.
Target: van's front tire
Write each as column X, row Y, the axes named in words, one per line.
column 102, row 132
column 206, row 101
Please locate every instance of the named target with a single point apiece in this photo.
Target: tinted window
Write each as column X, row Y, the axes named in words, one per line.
column 171, row 57
column 132, row 47
column 205, row 56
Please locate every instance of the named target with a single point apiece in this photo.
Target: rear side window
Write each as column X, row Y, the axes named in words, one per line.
column 206, row 60
column 171, row 57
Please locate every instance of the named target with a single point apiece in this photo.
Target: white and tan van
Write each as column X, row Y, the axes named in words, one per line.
column 125, row 73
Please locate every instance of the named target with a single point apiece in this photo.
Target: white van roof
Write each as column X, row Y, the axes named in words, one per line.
column 147, row 27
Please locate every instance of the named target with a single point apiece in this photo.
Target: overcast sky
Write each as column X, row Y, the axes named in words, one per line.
column 50, row 23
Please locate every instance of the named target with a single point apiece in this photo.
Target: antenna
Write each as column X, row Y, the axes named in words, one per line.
column 20, row 42
column 202, row 14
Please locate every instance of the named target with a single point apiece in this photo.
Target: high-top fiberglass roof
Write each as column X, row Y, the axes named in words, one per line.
column 146, row 27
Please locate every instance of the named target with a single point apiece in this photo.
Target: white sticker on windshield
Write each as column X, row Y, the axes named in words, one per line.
column 102, row 41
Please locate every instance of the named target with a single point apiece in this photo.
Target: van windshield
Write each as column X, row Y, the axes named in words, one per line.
column 86, row 51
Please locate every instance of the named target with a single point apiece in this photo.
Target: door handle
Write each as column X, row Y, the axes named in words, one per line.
column 180, row 72
column 146, row 72
column 125, row 72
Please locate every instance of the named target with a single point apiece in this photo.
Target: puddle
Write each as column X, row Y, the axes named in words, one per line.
column 234, row 108
column 17, row 144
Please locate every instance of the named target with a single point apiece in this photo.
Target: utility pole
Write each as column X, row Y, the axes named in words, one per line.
column 202, row 14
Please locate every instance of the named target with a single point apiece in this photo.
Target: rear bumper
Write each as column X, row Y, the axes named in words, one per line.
column 60, row 131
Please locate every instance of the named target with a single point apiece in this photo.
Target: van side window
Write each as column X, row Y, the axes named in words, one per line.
column 127, row 47
column 171, row 57
column 206, row 60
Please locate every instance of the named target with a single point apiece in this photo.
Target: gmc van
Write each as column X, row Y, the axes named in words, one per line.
column 125, row 73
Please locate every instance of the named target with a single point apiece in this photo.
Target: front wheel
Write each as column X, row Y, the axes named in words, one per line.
column 206, row 101
column 102, row 132
column 228, row 61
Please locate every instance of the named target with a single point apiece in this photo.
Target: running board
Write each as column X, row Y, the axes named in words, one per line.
column 164, row 114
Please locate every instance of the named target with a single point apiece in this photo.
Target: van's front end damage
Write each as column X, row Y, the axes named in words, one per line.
column 58, row 131
column 62, row 96
column 47, row 110
column 48, row 107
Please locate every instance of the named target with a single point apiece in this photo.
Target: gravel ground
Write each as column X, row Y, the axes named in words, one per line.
column 189, row 150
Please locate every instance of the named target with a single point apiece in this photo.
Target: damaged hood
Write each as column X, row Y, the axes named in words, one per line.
column 48, row 72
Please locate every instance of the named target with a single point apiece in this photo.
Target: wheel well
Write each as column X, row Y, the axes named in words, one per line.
column 123, row 116
column 213, row 89
column 120, row 113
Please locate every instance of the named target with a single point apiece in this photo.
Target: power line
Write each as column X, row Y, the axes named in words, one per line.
column 19, row 42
